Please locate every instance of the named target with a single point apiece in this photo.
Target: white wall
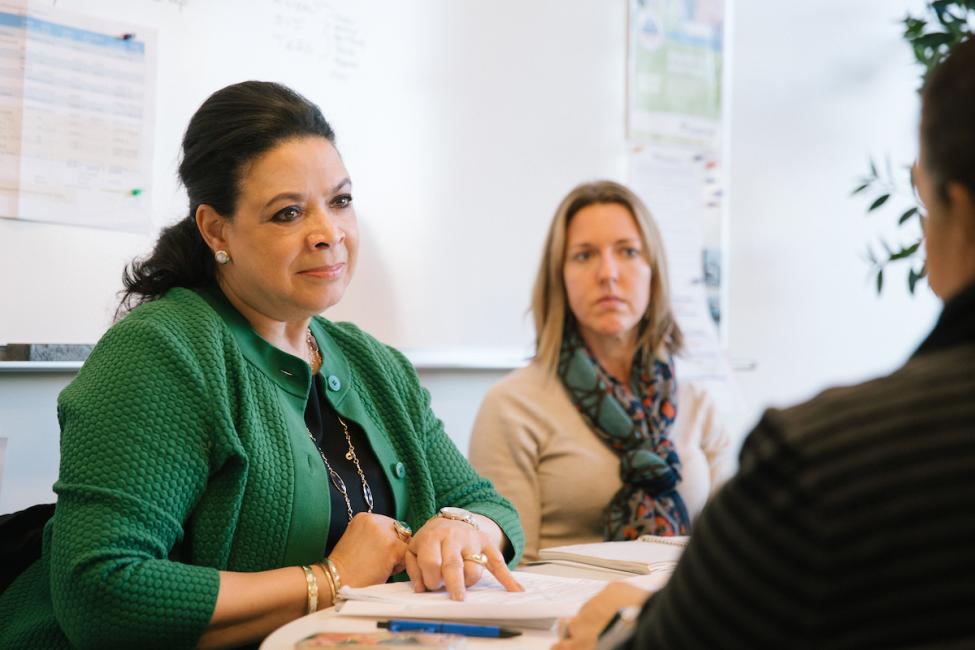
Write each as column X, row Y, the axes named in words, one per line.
column 28, row 423
column 462, row 124
column 816, row 87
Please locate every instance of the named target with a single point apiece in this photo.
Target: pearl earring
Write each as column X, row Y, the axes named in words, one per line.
column 222, row 257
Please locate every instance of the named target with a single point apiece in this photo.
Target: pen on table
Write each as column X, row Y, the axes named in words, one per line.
column 448, row 628
column 619, row 628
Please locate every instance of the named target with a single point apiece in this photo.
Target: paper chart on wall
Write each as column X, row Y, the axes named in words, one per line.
column 673, row 181
column 78, row 104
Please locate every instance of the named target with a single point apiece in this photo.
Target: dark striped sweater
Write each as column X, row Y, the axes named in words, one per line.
column 851, row 523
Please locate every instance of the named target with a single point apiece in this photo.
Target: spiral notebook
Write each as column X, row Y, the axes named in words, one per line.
column 648, row 554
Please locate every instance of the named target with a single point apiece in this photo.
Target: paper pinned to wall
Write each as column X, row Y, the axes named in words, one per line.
column 672, row 182
column 78, row 107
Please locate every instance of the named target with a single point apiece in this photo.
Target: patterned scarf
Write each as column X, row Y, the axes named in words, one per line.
column 637, row 428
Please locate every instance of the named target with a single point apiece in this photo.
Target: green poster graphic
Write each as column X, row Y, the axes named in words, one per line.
column 675, row 49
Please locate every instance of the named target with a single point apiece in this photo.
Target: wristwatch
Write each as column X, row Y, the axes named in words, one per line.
column 458, row 514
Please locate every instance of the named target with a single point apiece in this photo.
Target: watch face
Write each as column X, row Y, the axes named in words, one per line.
column 459, row 514
column 454, row 513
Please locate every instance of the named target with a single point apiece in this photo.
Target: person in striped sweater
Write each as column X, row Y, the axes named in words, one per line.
column 850, row 523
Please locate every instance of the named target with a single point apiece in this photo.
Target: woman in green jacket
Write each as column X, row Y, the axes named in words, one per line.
column 230, row 459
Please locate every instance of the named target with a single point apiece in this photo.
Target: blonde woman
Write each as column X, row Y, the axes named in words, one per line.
column 595, row 439
column 850, row 523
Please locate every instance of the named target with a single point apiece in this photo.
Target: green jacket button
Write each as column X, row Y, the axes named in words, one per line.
column 400, row 470
column 334, row 382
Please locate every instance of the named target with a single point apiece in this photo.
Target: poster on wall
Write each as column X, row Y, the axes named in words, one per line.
column 675, row 69
column 675, row 126
column 78, row 118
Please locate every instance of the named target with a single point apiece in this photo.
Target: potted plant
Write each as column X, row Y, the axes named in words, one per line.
column 932, row 34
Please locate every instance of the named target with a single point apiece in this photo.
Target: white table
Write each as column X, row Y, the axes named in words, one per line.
column 285, row 637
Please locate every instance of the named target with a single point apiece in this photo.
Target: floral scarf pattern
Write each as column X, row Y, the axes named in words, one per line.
column 636, row 425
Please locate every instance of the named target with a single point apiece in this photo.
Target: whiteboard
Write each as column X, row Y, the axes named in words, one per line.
column 462, row 123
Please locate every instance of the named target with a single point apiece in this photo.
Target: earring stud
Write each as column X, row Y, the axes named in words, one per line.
column 222, row 257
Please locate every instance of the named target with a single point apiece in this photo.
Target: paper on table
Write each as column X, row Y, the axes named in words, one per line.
column 649, row 554
column 652, row 582
column 544, row 601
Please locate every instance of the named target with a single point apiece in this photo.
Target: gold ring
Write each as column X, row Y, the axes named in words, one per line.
column 402, row 531
column 479, row 558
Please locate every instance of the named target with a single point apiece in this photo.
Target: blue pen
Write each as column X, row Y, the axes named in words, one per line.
column 439, row 627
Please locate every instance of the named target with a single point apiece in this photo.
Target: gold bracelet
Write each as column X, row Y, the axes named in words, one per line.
column 331, row 583
column 333, row 573
column 312, row 583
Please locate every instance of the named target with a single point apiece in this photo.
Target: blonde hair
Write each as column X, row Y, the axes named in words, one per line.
column 549, row 301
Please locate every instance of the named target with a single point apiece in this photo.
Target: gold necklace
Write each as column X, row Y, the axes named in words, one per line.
column 314, row 354
column 315, row 358
column 337, row 479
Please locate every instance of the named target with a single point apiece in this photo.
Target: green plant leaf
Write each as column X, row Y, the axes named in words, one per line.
column 879, row 201
column 933, row 40
column 913, row 277
column 940, row 7
column 907, row 215
column 904, row 252
column 920, row 54
column 913, row 27
column 931, row 35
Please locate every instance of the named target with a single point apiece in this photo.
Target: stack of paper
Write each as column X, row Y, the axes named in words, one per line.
column 544, row 601
column 649, row 554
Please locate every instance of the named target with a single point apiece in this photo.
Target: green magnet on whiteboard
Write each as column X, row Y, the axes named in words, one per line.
column 136, row 192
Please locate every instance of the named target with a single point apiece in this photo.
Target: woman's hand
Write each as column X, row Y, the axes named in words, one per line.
column 453, row 554
column 369, row 551
column 583, row 630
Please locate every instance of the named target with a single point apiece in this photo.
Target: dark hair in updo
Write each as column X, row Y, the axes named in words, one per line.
column 233, row 127
column 948, row 119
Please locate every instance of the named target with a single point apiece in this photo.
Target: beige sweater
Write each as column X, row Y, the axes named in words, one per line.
column 531, row 441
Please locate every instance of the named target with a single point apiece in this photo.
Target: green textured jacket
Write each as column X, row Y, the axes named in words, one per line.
column 184, row 452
